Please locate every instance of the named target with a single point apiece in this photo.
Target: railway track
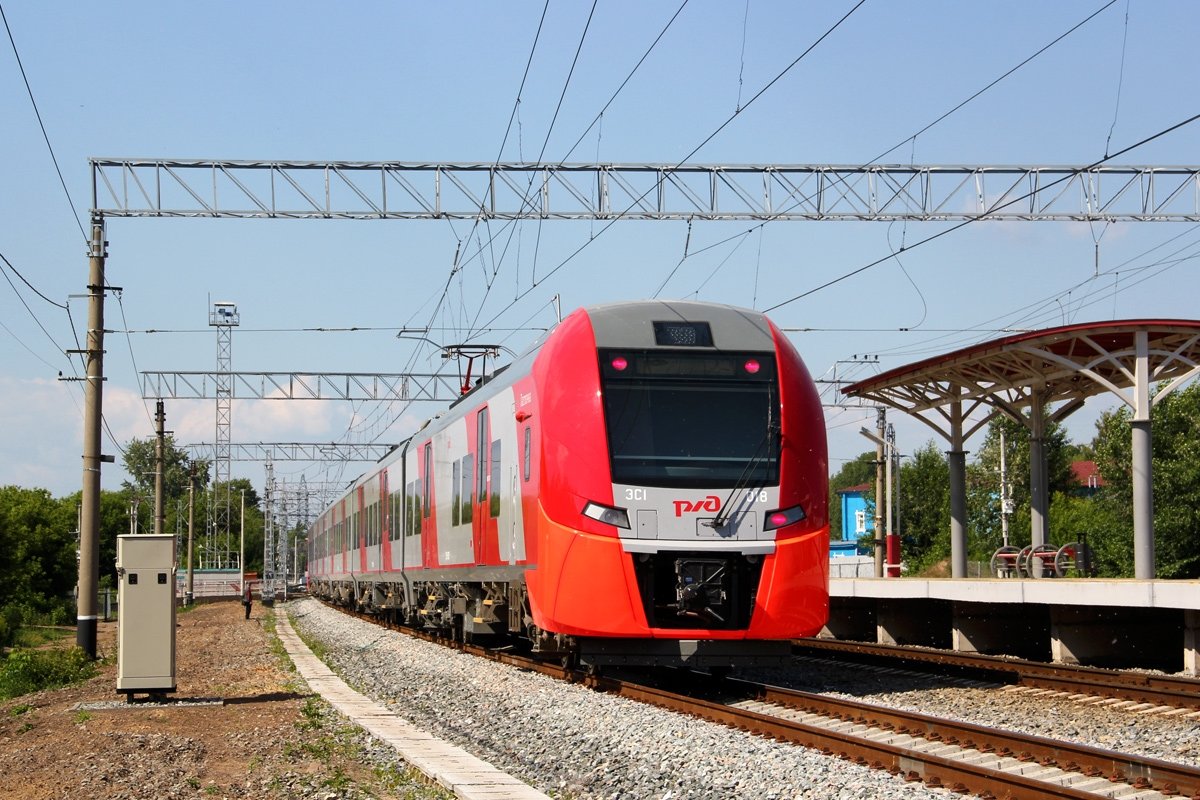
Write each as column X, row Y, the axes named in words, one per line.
column 1155, row 689
column 962, row 757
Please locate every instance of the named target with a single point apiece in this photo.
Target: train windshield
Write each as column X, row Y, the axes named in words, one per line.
column 691, row 419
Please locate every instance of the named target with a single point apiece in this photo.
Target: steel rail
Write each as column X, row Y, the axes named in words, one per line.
column 1143, row 687
column 1141, row 771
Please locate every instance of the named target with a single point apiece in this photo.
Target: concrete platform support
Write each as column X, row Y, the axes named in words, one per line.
column 1191, row 643
column 1002, row 629
column 851, row 619
column 1117, row 637
column 895, row 623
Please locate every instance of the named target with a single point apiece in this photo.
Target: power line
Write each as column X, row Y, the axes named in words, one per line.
column 986, row 213
column 42, row 125
column 945, row 115
column 545, row 144
column 1030, row 58
column 33, row 288
column 684, row 160
column 57, row 346
column 511, row 226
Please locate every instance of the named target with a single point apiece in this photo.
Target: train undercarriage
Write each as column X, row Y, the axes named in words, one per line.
column 493, row 610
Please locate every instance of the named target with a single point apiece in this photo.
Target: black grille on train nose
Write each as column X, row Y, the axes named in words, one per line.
column 715, row 591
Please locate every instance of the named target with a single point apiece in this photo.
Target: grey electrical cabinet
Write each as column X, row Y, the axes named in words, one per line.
column 146, row 625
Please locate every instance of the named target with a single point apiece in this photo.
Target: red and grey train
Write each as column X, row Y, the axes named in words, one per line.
column 647, row 484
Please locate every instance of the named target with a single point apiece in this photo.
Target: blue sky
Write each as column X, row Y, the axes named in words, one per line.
column 437, row 82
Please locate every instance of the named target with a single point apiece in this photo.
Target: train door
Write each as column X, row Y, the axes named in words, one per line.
column 485, row 499
column 385, row 522
column 360, row 530
column 339, row 551
column 428, row 518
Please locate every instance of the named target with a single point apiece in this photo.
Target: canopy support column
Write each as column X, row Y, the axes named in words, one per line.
column 957, row 460
column 1039, row 488
column 1143, row 493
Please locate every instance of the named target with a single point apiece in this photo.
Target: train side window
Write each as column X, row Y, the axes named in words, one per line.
column 481, row 446
column 527, row 454
column 494, row 501
column 456, row 500
column 418, row 510
column 397, row 521
column 428, row 478
column 468, row 496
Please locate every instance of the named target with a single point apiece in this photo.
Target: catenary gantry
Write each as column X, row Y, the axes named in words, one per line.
column 1047, row 373
column 139, row 187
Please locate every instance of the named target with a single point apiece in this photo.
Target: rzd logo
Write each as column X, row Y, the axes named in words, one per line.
column 712, row 504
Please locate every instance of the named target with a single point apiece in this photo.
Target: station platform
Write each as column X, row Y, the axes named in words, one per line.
column 1092, row 622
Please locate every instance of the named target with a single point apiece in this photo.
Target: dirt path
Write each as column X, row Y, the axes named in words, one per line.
column 269, row 739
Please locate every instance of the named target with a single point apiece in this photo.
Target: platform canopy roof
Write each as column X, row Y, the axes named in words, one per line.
column 1068, row 363
column 1050, row 373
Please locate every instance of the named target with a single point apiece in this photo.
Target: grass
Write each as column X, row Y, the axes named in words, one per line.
column 25, row 671
column 33, row 636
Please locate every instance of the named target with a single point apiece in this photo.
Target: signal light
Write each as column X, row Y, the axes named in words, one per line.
column 752, row 366
column 783, row 517
column 619, row 363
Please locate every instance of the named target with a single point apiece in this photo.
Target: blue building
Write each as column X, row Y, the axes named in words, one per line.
column 858, row 519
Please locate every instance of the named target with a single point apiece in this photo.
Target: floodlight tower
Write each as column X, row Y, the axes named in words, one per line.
column 268, row 505
column 224, row 317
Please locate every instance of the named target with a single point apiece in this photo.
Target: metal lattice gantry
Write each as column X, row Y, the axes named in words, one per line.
column 135, row 187
column 202, row 385
column 293, row 451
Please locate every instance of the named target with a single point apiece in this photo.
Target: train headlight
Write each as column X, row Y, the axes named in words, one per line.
column 618, row 517
column 783, row 517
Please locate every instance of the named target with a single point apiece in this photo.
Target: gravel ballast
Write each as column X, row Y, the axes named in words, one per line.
column 570, row 741
column 573, row 742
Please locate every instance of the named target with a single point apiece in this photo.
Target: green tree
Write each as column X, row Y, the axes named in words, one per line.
column 38, row 570
column 139, row 461
column 924, row 508
column 1175, row 451
column 983, row 483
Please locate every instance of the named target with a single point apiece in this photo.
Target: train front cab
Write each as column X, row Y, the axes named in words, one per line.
column 683, row 511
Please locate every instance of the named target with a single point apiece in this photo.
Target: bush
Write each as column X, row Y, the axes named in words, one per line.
column 26, row 671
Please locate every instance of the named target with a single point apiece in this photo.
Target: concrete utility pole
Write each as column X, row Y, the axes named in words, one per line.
column 89, row 527
column 188, row 595
column 880, row 431
column 1006, row 502
column 890, row 537
column 160, row 419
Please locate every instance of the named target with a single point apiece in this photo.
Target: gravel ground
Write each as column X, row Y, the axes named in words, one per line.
column 572, row 742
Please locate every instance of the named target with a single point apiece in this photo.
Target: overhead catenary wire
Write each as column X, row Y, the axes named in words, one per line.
column 385, row 410
column 42, row 125
column 961, row 104
column 618, row 217
column 511, row 225
column 1035, row 313
column 987, row 213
